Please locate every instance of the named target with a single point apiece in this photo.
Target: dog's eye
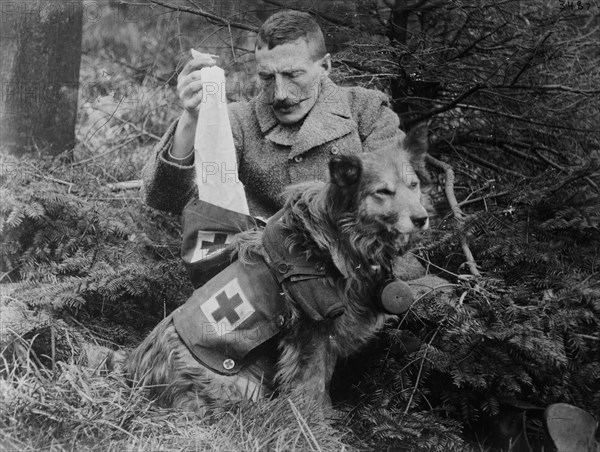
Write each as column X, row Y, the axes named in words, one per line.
column 414, row 185
column 385, row 191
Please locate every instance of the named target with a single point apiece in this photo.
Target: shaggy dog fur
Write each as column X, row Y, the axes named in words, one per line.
column 361, row 220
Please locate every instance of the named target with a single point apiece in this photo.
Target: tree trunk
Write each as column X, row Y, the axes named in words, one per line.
column 40, row 50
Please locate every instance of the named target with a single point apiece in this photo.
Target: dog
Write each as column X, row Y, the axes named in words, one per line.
column 358, row 222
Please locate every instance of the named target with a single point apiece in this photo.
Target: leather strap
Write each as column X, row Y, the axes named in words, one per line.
column 290, row 265
column 309, row 281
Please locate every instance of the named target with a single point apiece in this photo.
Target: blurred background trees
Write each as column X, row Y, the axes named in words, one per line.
column 40, row 49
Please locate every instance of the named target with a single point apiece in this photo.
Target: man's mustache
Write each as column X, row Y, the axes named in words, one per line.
column 286, row 103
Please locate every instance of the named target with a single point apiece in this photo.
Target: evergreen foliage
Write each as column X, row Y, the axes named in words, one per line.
column 528, row 331
column 78, row 247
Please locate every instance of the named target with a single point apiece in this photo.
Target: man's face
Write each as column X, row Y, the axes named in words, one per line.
column 290, row 79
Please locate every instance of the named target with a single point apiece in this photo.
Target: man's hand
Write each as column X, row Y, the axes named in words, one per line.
column 189, row 90
column 189, row 83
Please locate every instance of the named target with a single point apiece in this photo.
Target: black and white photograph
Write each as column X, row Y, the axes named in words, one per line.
column 299, row 225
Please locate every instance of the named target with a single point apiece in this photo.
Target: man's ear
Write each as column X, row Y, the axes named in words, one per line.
column 345, row 170
column 416, row 144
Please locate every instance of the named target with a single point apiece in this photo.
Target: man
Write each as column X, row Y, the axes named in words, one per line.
column 285, row 135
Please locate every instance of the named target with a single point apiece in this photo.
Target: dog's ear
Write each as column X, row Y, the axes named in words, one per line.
column 345, row 170
column 416, row 144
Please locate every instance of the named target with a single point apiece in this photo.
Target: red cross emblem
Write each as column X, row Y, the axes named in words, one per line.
column 209, row 244
column 227, row 308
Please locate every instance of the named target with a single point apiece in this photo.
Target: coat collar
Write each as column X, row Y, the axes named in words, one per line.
column 329, row 119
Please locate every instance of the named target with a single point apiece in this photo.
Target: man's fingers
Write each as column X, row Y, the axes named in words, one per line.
column 194, row 101
column 189, row 83
column 192, row 76
column 191, row 89
column 183, row 83
column 191, row 95
column 191, row 71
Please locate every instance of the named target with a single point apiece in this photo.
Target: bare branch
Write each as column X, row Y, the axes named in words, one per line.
column 58, row 181
column 477, row 41
column 412, row 394
column 548, row 161
column 458, row 213
column 116, row 148
column 328, row 17
column 512, row 150
column 547, row 88
column 125, row 185
column 212, row 17
column 531, row 56
column 448, row 106
column 497, row 141
column 520, row 118
column 129, row 123
column 493, row 166
column 483, row 198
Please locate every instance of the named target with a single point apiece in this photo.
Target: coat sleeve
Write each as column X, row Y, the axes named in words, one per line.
column 378, row 125
column 166, row 185
column 169, row 186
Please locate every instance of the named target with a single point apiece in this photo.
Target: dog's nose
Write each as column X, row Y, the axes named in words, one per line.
column 419, row 222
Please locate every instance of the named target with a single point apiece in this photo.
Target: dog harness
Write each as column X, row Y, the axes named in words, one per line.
column 227, row 320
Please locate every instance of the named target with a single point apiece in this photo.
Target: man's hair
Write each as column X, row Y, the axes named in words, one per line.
column 288, row 26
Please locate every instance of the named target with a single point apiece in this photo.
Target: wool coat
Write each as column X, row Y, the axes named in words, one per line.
column 271, row 155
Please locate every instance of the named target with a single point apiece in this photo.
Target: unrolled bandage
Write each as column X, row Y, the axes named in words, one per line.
column 215, row 155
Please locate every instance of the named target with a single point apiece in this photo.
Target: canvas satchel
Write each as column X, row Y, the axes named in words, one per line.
column 207, row 233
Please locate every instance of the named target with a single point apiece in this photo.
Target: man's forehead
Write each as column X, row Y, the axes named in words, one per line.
column 279, row 65
column 290, row 55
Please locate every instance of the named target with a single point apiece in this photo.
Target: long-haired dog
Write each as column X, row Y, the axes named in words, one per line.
column 360, row 220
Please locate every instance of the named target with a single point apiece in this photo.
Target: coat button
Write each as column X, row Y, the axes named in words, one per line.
column 319, row 266
column 228, row 364
column 280, row 320
column 335, row 150
column 283, row 267
column 298, row 159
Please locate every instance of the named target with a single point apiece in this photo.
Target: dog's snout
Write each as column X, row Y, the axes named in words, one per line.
column 419, row 222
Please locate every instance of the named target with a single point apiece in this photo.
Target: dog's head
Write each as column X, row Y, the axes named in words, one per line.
column 384, row 186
